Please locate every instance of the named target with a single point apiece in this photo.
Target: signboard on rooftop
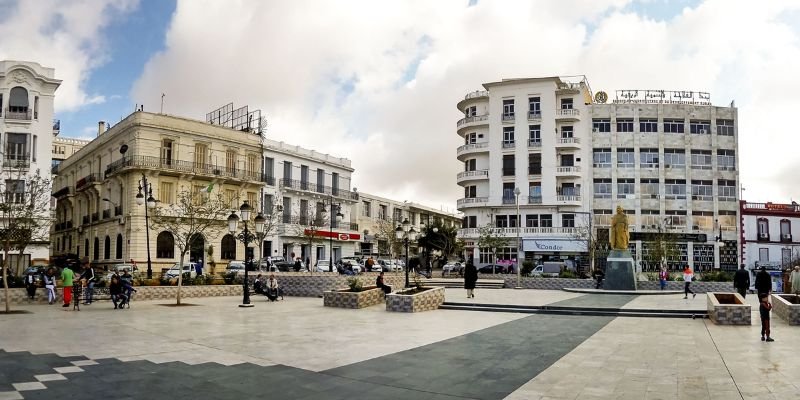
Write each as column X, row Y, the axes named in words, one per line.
column 662, row 97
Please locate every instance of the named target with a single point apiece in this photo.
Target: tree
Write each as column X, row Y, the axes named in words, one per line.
column 585, row 233
column 194, row 214
column 24, row 217
column 490, row 237
column 385, row 232
column 310, row 227
column 661, row 249
column 272, row 220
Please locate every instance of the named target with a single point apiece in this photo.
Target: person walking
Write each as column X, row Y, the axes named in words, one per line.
column 663, row 275
column 66, row 283
column 688, row 276
column 763, row 282
column 50, row 285
column 599, row 275
column 795, row 279
column 470, row 278
column 741, row 281
column 88, row 277
column 763, row 309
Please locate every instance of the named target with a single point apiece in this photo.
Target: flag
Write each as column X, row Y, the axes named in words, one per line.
column 210, row 188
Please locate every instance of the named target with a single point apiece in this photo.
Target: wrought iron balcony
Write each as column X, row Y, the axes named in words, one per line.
column 24, row 115
column 167, row 164
column 320, row 189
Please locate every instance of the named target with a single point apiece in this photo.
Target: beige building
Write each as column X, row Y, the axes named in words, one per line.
column 96, row 214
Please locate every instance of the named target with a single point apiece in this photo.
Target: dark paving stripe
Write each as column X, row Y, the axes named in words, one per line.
column 596, row 300
column 17, row 367
column 487, row 364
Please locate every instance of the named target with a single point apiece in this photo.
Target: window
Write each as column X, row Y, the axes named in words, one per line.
column 470, row 138
column 601, row 158
column 469, row 165
column 471, row 111
column 335, row 183
column 702, row 220
column 269, row 204
column 648, row 158
column 471, row 221
column 470, row 192
column 567, row 160
column 532, row 220
column 673, row 125
column 569, row 189
column 648, row 125
column 726, row 190
column 625, row 188
column 534, row 107
column 534, row 164
column 700, row 127
column 786, row 230
column 230, row 160
column 366, row 208
column 252, row 165
column 508, row 109
column 16, row 148
column 649, row 188
column 18, row 101
column 200, row 155
column 701, row 159
column 534, row 193
column 320, row 180
column 501, row 221
column 15, row 191
column 676, row 218
column 546, row 221
column 566, row 104
column 228, row 247
column 118, row 252
column 287, row 171
column 508, row 193
column 96, row 252
column 624, row 124
column 231, row 199
column 726, row 160
column 508, row 136
column 763, row 229
column 304, row 177
column 166, row 192
column 383, row 211
column 508, row 165
column 269, row 169
column 567, row 132
column 534, row 134
column 252, row 199
column 602, row 188
column 602, row 217
column 727, row 220
column 625, row 158
column 725, row 127
column 107, row 248
column 675, row 189
column 568, row 220
column 601, row 125
column 763, row 254
column 287, row 210
column 651, row 218
column 674, row 158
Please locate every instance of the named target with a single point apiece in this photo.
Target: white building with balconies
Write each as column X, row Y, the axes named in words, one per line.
column 27, row 92
column 527, row 146
column 770, row 235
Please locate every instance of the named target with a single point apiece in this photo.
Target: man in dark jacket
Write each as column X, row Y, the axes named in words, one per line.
column 763, row 282
column 741, row 281
column 470, row 278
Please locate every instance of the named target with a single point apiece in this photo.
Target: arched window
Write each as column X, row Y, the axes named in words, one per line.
column 228, row 251
column 86, row 247
column 763, row 229
column 18, row 100
column 107, row 248
column 165, row 245
column 118, row 254
column 96, row 248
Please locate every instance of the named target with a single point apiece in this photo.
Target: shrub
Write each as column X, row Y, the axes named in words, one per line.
column 716, row 276
column 355, row 284
column 229, row 277
column 527, row 267
column 567, row 274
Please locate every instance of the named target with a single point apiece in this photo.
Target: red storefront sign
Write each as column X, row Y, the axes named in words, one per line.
column 337, row 235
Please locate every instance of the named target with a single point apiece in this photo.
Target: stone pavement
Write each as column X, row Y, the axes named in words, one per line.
column 297, row 349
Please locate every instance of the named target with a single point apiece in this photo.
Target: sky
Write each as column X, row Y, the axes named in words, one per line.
column 377, row 82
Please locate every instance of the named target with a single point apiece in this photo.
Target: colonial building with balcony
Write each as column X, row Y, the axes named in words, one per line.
column 527, row 146
column 27, row 92
column 770, row 235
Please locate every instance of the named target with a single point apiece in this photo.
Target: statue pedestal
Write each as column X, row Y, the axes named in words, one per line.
column 620, row 271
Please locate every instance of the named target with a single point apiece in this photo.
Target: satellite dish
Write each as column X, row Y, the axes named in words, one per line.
column 123, row 149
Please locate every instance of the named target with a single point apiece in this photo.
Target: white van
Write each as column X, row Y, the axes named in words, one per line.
column 187, row 267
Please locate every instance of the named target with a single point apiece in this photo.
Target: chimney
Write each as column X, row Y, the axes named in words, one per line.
column 101, row 127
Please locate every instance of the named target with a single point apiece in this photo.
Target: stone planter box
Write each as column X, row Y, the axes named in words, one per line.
column 344, row 298
column 787, row 306
column 430, row 299
column 728, row 309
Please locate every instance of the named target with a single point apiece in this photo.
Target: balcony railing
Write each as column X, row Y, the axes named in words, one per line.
column 472, row 146
column 533, row 115
column 475, row 118
column 509, row 145
column 18, row 115
column 566, row 170
column 568, row 197
column 471, row 200
column 509, row 200
column 568, row 113
column 534, row 143
column 313, row 187
column 62, row 192
column 476, row 94
column 480, row 173
column 508, row 117
column 513, row 231
column 87, row 180
column 16, row 162
column 534, row 199
column 569, row 140
column 166, row 164
column 354, row 226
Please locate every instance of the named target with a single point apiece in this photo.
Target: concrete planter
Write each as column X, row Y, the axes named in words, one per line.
column 728, row 309
column 430, row 299
column 787, row 306
column 344, row 298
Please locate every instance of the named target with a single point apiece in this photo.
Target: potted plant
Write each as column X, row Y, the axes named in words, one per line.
column 355, row 296
column 416, row 298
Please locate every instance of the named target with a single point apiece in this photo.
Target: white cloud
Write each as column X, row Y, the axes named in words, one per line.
column 65, row 35
column 296, row 60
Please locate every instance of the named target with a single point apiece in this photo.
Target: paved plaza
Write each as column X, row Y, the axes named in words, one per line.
column 298, row 349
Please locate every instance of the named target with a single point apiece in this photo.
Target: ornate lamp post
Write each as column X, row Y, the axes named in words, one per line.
column 407, row 234
column 519, row 244
column 246, row 238
column 339, row 216
column 151, row 203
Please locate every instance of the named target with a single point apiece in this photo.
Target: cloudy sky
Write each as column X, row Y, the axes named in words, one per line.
column 377, row 81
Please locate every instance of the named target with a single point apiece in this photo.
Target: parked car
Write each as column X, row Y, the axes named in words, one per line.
column 323, row 266
column 496, row 268
column 390, row 265
column 283, row 266
column 187, row 267
column 235, row 266
column 453, row 268
column 120, row 269
column 547, row 269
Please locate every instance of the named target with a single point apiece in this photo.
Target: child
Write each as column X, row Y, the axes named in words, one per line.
column 764, row 308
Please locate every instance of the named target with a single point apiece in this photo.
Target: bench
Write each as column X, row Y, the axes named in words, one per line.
column 98, row 294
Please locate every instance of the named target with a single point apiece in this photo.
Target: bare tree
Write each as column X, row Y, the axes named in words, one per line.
column 272, row 220
column 309, row 226
column 194, row 214
column 24, row 217
column 385, row 232
column 490, row 237
column 661, row 248
column 585, row 233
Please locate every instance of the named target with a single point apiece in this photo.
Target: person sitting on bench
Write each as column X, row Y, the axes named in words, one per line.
column 115, row 289
column 379, row 283
column 273, row 291
column 258, row 285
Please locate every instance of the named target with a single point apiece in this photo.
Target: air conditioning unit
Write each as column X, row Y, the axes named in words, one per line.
column 786, row 236
column 121, row 220
column 667, row 166
column 595, row 130
column 702, row 131
column 763, row 235
column 696, row 227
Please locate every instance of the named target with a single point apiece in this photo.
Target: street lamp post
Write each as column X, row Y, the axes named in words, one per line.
column 720, row 245
column 406, row 233
column 246, row 238
column 151, row 203
column 338, row 216
column 519, row 244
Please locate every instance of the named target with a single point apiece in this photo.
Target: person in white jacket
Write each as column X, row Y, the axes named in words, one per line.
column 687, row 281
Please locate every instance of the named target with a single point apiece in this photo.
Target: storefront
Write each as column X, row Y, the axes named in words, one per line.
column 555, row 249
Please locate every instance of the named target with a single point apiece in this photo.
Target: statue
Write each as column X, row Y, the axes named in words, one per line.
column 619, row 231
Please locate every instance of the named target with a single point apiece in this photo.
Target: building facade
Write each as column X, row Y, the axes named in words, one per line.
column 27, row 128
column 568, row 157
column 770, row 235
column 63, row 147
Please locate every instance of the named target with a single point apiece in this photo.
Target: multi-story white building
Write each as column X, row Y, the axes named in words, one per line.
column 27, row 92
column 770, row 233
column 63, row 147
column 531, row 137
column 668, row 158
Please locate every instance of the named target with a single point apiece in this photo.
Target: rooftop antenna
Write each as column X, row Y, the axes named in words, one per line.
column 162, row 103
